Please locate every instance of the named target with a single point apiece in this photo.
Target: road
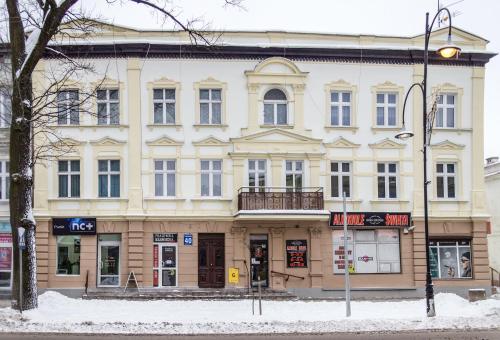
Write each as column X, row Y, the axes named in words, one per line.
column 447, row 335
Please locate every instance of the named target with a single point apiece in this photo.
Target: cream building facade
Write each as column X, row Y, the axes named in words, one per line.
column 492, row 180
column 197, row 160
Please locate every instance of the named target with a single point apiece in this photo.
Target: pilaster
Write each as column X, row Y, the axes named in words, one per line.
column 316, row 259
column 278, row 260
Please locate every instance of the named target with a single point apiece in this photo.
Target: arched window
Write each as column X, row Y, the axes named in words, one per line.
column 275, row 108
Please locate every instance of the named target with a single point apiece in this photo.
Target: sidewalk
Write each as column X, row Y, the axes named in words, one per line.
column 57, row 313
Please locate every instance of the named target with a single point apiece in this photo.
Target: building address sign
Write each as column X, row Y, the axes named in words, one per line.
column 370, row 219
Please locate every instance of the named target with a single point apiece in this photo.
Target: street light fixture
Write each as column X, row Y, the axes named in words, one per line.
column 449, row 50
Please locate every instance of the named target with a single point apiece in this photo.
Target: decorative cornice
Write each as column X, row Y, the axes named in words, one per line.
column 386, row 143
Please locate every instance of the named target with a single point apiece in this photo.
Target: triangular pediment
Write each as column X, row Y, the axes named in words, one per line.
column 68, row 142
column 107, row 141
column 163, row 141
column 447, row 145
column 386, row 144
column 341, row 142
column 210, row 141
column 276, row 135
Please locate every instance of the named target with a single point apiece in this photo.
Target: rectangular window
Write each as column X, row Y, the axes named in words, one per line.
column 294, row 175
column 340, row 179
column 445, row 180
column 109, row 178
column 108, row 107
column 369, row 251
column 210, row 106
column 68, row 255
column 387, row 180
column 340, row 108
column 68, row 107
column 386, row 109
column 257, row 175
column 68, row 173
column 445, row 115
column 450, row 259
column 5, row 110
column 164, row 177
column 164, row 106
column 211, row 178
column 4, row 180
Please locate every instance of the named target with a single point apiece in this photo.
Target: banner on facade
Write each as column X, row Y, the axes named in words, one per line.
column 296, row 253
column 74, row 226
column 165, row 237
column 370, row 219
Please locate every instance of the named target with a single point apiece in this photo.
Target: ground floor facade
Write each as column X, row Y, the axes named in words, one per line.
column 301, row 255
column 6, row 257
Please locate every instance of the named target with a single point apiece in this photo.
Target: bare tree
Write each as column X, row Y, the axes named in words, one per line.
column 47, row 23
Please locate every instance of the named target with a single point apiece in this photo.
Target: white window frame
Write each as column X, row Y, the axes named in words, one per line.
column 386, row 175
column 69, row 173
column 164, row 101
column 4, row 179
column 275, row 104
column 5, row 110
column 257, row 172
column 164, row 172
column 442, row 110
column 108, row 174
column 68, row 104
column 446, row 176
column 294, row 172
column 340, row 173
column 107, row 102
column 211, row 174
column 340, row 104
column 386, row 105
column 210, row 103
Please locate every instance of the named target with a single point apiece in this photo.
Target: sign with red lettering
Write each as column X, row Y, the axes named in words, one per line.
column 155, row 256
column 296, row 253
column 155, row 278
column 370, row 219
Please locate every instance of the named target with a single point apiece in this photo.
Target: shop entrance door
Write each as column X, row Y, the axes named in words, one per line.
column 211, row 268
column 259, row 262
column 109, row 264
column 168, row 270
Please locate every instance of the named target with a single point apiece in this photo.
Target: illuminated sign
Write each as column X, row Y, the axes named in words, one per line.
column 370, row 219
column 74, row 226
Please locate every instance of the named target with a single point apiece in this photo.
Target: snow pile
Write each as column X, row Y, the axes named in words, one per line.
column 57, row 313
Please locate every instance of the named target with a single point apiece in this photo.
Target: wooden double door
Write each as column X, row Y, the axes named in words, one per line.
column 211, row 264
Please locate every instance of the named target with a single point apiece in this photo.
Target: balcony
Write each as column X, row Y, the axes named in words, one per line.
column 279, row 198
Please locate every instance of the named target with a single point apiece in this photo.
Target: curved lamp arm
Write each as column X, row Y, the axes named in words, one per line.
column 429, row 29
column 406, row 97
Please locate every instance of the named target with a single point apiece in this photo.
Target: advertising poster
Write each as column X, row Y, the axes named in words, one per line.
column 339, row 252
column 5, row 258
column 296, row 253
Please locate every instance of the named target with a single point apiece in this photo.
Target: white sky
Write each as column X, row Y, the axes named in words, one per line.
column 389, row 17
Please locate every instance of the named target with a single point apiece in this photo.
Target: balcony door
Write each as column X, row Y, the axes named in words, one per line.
column 211, row 267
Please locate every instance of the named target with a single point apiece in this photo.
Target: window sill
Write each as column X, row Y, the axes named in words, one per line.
column 77, row 199
column 65, row 199
column 111, row 199
column 68, row 275
column 389, row 200
column 176, row 126
column 4, row 201
column 211, row 198
column 354, row 129
column 217, row 126
column 340, row 200
column 443, row 129
column 160, row 198
column 265, row 126
column 386, row 128
column 444, row 200
column 86, row 126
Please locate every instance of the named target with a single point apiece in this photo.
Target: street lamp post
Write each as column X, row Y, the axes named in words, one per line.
column 447, row 51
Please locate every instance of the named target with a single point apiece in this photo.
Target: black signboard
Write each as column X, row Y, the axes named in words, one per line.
column 370, row 219
column 161, row 238
column 296, row 253
column 74, row 226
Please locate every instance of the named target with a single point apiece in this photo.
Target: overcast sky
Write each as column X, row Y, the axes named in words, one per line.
column 390, row 17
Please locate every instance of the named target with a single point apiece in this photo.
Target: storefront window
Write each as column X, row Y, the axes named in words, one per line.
column 68, row 255
column 450, row 259
column 369, row 251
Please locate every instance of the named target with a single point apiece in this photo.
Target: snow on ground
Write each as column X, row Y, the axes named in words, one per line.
column 57, row 313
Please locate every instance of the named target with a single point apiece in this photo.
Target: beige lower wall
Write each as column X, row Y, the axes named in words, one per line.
column 137, row 253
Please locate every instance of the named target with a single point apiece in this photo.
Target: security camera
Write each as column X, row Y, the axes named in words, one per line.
column 406, row 230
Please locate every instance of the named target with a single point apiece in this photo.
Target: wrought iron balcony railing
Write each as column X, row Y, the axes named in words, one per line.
column 280, row 198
